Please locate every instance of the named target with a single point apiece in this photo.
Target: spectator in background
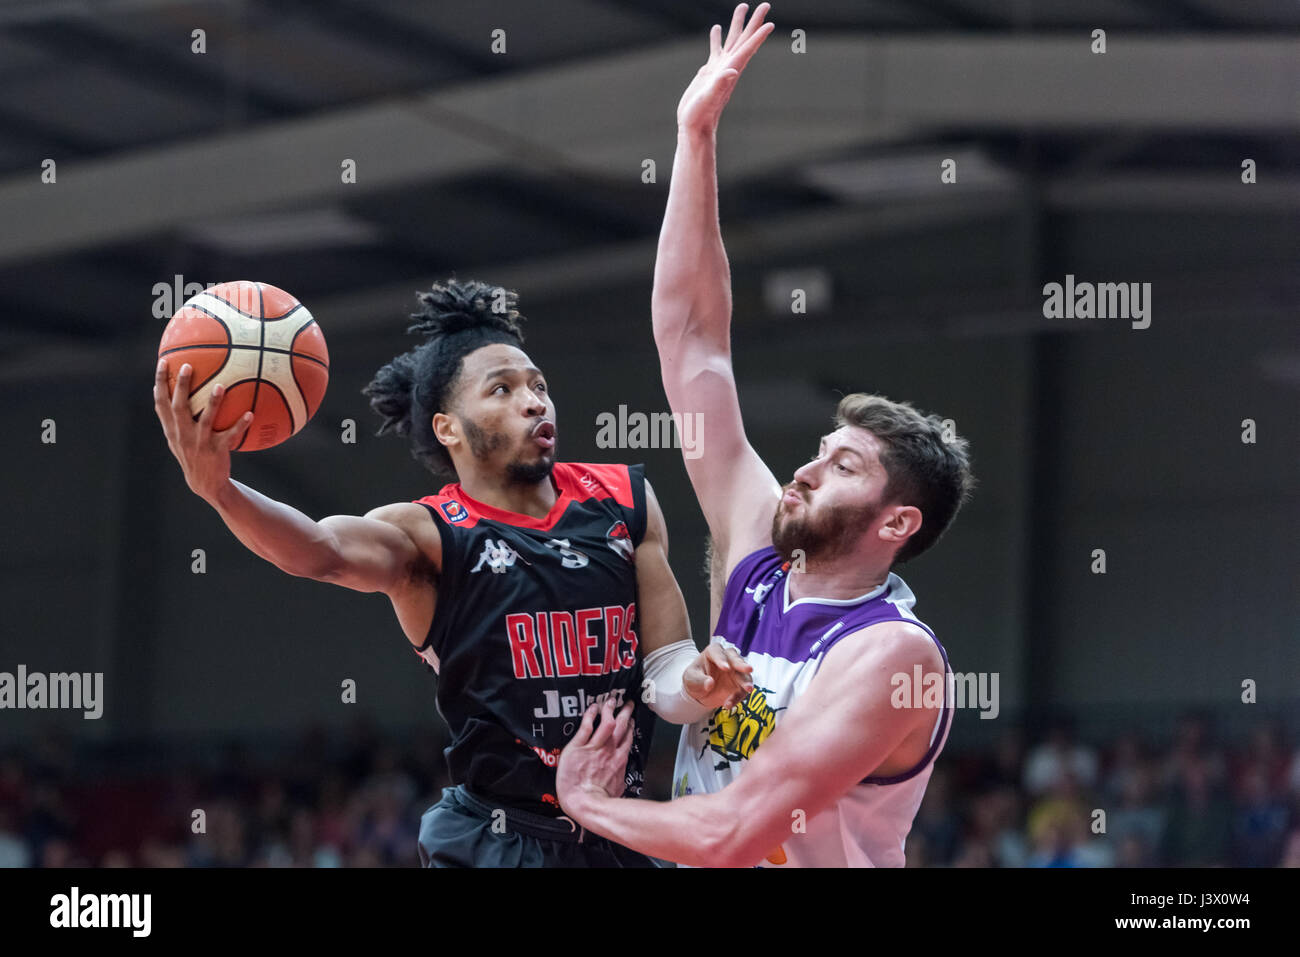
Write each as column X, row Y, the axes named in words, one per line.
column 330, row 800
column 1132, row 851
column 1291, row 850
column 1048, row 765
column 224, row 843
column 50, row 823
column 1136, row 823
column 1192, row 746
column 993, row 837
column 58, row 852
column 13, row 849
column 1004, row 766
column 1059, row 829
column 1259, row 820
column 937, row 825
column 975, row 854
column 156, row 853
column 1010, row 849
column 1126, row 759
column 1198, row 815
column 1267, row 754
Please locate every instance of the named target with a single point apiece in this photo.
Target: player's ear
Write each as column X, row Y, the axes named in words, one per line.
column 901, row 523
column 446, row 429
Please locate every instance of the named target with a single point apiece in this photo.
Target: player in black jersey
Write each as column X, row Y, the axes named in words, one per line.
column 533, row 587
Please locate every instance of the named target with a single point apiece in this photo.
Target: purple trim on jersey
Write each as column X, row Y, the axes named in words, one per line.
column 938, row 738
column 763, row 625
column 753, row 616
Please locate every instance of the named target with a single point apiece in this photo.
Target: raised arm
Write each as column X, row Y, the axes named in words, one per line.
column 691, row 310
column 374, row 553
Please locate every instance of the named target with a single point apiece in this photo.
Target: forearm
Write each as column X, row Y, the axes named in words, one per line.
column 692, row 281
column 281, row 534
column 690, row 830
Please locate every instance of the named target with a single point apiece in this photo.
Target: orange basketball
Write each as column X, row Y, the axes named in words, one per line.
column 262, row 345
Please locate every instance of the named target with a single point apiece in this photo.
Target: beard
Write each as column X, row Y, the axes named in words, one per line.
column 483, row 443
column 823, row 537
column 530, row 473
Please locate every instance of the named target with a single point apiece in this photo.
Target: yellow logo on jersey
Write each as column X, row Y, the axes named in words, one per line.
column 738, row 731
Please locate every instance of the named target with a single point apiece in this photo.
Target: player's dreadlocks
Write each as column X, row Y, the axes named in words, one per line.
column 457, row 317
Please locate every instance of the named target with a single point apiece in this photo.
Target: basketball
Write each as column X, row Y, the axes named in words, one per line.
column 262, row 345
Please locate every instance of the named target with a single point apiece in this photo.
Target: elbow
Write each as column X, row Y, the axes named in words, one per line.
column 717, row 848
column 726, row 840
column 318, row 573
column 738, row 852
column 325, row 566
column 743, row 841
column 668, row 319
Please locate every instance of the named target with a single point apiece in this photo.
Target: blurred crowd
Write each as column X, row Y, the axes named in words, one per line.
column 1127, row 802
column 355, row 800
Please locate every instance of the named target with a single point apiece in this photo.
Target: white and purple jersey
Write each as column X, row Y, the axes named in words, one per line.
column 785, row 643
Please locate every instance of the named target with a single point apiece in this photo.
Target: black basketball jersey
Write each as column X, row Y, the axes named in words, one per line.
column 535, row 619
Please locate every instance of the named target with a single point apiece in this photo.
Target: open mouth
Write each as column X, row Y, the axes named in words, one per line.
column 544, row 434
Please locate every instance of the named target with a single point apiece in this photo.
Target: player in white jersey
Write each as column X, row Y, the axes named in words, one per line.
column 826, row 761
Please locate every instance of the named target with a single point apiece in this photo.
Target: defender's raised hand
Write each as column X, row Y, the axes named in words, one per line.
column 701, row 105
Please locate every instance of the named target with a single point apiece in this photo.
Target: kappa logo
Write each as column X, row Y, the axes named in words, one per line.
column 454, row 512
column 497, row 555
column 569, row 557
column 759, row 594
column 620, row 539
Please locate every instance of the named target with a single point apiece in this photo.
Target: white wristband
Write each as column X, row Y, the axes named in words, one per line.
column 667, row 698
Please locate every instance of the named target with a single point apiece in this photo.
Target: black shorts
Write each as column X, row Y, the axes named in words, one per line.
column 461, row 830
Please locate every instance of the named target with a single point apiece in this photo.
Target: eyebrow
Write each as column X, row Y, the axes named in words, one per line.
column 507, row 370
column 845, row 448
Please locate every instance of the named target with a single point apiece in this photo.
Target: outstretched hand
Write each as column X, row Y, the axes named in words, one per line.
column 719, row 677
column 204, row 452
column 701, row 105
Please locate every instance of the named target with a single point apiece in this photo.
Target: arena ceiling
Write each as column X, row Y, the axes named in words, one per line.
column 526, row 167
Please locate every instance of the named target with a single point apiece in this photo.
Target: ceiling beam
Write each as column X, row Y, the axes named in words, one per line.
column 604, row 117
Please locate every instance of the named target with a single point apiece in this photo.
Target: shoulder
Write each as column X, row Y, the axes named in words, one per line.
column 399, row 513
column 414, row 519
column 620, row 489
column 896, row 647
column 623, row 483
